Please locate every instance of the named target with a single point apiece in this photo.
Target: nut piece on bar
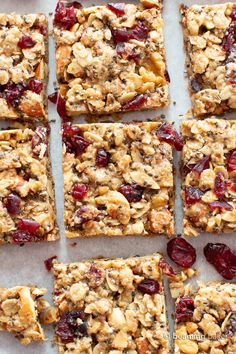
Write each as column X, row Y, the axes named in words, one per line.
column 209, row 171
column 26, row 191
column 209, row 35
column 19, row 313
column 111, row 58
column 206, row 320
column 23, row 66
column 118, row 180
column 107, row 306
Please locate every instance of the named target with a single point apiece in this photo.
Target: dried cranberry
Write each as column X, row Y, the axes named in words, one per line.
column 201, row 165
column 35, row 86
column 167, row 133
column 117, row 8
column 75, row 4
column 197, row 83
column 181, row 252
column 26, row 42
column 232, row 162
column 135, row 103
column 138, row 32
column 184, row 309
column 84, row 215
column 13, row 93
column 40, row 137
column 65, row 17
column 79, row 191
column 43, row 29
column 229, row 37
column 121, row 51
column 220, row 205
column 233, row 15
column 61, row 107
column 21, row 236
column 73, row 139
column 222, row 258
column 95, row 276
column 68, row 327
column 102, row 158
column 28, row 225
column 70, row 130
column 49, row 263
column 13, row 204
column 231, row 185
column 220, row 186
column 53, row 97
column 192, row 195
column 230, row 328
column 149, row 286
column 132, row 192
column 167, row 269
column 80, row 144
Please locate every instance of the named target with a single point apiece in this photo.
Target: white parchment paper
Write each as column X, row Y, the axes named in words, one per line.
column 24, row 265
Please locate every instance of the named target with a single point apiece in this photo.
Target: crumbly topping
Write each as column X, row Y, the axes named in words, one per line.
column 26, row 194
column 19, row 313
column 99, row 73
column 209, row 194
column 117, row 316
column 139, row 164
column 21, row 64
column 212, row 328
column 211, row 57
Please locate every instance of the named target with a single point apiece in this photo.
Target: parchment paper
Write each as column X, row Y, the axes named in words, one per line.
column 24, row 265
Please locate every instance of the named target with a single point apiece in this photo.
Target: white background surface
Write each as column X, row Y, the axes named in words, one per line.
column 24, row 265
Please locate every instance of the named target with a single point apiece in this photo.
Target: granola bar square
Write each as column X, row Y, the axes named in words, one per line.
column 205, row 320
column 118, row 180
column 209, row 171
column 211, row 60
column 111, row 58
column 19, row 313
column 111, row 306
column 26, row 187
column 23, row 66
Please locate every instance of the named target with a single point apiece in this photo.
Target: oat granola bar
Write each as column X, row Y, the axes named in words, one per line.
column 26, row 191
column 209, row 171
column 19, row 313
column 118, row 180
column 110, row 58
column 111, row 306
column 23, row 66
column 205, row 320
column 209, row 35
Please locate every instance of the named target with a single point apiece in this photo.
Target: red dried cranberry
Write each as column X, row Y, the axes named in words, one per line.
column 80, row 144
column 28, row 225
column 230, row 328
column 220, row 205
column 95, row 276
column 75, row 4
column 84, row 215
column 102, row 158
column 21, row 236
column 35, row 86
column 192, row 195
column 121, row 51
column 71, row 136
column 13, row 204
column 49, row 263
column 149, row 286
column 40, row 137
column 13, row 93
column 201, row 165
column 232, row 162
column 53, row 97
column 79, row 191
column 61, row 107
column 70, row 130
column 121, row 35
column 167, row 133
column 68, row 327
column 138, row 32
column 220, row 186
column 222, row 258
column 135, row 103
column 231, row 185
column 184, row 309
column 117, row 8
column 26, row 42
column 132, row 192
column 65, row 17
column 229, row 37
column 181, row 252
column 167, row 269
column 43, row 29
